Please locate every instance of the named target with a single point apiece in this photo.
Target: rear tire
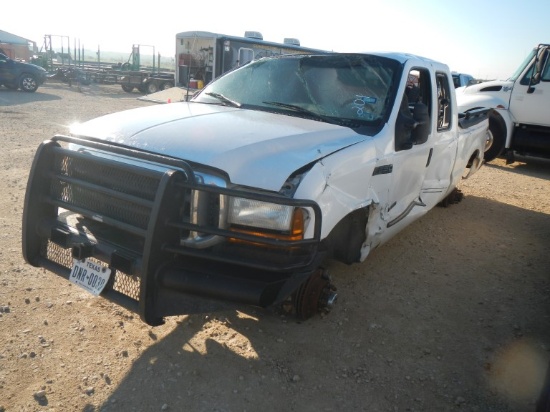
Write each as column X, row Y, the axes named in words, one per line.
column 127, row 89
column 152, row 88
column 497, row 140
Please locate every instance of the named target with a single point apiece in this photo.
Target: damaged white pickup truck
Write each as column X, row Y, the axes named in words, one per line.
column 243, row 193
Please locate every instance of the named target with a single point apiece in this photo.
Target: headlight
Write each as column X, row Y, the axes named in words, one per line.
column 258, row 214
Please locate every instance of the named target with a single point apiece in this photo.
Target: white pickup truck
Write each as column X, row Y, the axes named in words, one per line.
column 243, row 193
column 520, row 122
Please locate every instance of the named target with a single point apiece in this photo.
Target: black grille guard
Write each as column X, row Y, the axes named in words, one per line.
column 138, row 196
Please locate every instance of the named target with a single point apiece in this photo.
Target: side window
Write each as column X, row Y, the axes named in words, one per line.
column 444, row 107
column 456, row 80
column 546, row 71
column 413, row 125
column 545, row 75
column 245, row 56
column 525, row 79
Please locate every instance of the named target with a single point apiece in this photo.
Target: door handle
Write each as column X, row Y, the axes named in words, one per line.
column 429, row 157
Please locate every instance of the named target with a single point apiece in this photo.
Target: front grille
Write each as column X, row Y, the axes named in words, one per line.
column 110, row 176
column 106, row 204
column 87, row 183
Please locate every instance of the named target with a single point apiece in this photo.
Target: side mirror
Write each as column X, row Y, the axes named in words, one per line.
column 540, row 62
column 404, row 126
column 423, row 128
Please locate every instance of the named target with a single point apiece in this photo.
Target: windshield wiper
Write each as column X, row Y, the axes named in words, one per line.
column 293, row 107
column 299, row 109
column 317, row 116
column 224, row 99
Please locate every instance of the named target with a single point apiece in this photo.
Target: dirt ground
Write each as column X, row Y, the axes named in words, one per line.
column 451, row 315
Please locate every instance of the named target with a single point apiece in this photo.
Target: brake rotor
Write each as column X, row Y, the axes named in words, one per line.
column 317, row 294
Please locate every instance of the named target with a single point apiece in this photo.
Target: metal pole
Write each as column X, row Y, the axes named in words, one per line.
column 69, row 48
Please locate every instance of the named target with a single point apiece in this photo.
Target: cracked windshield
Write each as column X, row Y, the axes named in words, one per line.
column 336, row 89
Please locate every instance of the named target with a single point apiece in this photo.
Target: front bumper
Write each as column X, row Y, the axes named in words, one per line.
column 129, row 209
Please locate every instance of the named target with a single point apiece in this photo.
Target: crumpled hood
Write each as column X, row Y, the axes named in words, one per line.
column 254, row 148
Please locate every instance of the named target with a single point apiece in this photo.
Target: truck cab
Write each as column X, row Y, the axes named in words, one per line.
column 530, row 94
column 520, row 122
column 463, row 79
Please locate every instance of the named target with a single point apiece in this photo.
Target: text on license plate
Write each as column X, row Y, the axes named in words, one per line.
column 89, row 275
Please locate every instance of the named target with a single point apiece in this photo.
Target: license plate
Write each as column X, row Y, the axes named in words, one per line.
column 89, row 275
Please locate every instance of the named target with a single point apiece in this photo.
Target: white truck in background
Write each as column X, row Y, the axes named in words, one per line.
column 520, row 122
column 463, row 79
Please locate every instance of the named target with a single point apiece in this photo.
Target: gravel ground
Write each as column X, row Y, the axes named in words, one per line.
column 450, row 315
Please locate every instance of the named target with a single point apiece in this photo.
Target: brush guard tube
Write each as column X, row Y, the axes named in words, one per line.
column 142, row 242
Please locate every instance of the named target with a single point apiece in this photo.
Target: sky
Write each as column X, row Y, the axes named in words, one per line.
column 485, row 38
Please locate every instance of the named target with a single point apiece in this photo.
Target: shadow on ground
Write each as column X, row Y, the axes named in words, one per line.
column 450, row 315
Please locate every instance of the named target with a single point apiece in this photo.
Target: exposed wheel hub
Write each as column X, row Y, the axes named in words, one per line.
column 317, row 294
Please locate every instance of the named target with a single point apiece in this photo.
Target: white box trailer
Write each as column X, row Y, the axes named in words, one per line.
column 202, row 56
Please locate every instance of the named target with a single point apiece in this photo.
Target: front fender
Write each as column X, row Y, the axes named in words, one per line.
column 508, row 122
column 340, row 183
column 467, row 102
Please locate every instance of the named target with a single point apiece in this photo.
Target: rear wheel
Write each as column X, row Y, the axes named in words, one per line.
column 127, row 89
column 152, row 88
column 496, row 139
column 28, row 83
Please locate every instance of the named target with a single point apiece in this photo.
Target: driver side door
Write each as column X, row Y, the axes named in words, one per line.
column 530, row 105
column 6, row 75
column 411, row 157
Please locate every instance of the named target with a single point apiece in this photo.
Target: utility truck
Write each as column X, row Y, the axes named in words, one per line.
column 243, row 193
column 520, row 122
